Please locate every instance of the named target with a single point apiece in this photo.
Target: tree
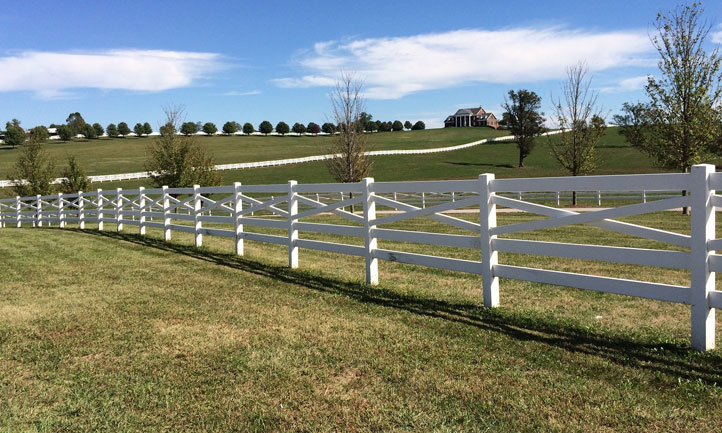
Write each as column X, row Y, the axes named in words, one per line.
column 210, row 128
column 230, row 128
column 397, row 126
column 407, row 125
column 633, row 124
column 328, row 128
column 189, row 128
column 99, row 131
column 348, row 105
column 365, row 121
column 76, row 123
column 39, row 134
column 313, row 128
column 14, row 134
column 265, row 127
column 33, row 172
column 123, row 129
column 64, row 132
column 282, row 128
column 112, row 130
column 89, row 131
column 581, row 123
column 419, row 125
column 299, row 128
column 179, row 160
column 524, row 119
column 138, row 129
column 74, row 178
column 683, row 98
column 147, row 129
column 248, row 128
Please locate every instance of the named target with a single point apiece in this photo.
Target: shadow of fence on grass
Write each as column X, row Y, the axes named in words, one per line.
column 672, row 359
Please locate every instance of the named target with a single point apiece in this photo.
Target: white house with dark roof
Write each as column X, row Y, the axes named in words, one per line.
column 468, row 117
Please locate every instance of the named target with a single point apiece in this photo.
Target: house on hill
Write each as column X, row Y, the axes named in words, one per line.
column 468, row 117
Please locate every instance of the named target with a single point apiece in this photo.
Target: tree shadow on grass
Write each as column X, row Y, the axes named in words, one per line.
column 479, row 164
column 668, row 358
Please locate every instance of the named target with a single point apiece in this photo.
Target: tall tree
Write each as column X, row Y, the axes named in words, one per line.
column 407, row 125
column 189, row 128
column 123, row 129
column 76, row 122
column 248, row 128
column 14, row 134
column 39, row 134
column 89, row 131
column 64, row 132
column 524, row 119
column 328, row 128
column 231, row 127
column 298, row 128
column 179, row 160
column 210, row 128
column 265, row 127
column 282, row 128
column 348, row 106
column 99, row 131
column 138, row 130
column 419, row 125
column 147, row 129
column 581, row 123
column 74, row 178
column 33, row 171
column 112, row 130
column 313, row 128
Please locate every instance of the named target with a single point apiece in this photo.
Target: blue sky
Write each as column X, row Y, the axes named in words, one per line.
column 275, row 60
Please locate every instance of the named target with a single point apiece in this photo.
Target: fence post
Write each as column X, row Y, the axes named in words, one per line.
column 18, row 221
column 141, row 205
column 81, row 211
column 423, row 200
column 166, row 214
column 237, row 208
column 599, row 198
column 292, row 232
column 489, row 257
column 61, row 211
column 369, row 204
column 39, row 210
column 118, row 209
column 197, row 205
column 703, row 280
column 99, row 206
column 644, row 196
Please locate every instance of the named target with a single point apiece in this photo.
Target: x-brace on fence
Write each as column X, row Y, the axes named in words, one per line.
column 226, row 210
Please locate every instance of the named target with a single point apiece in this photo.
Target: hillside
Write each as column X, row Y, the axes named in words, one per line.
column 124, row 155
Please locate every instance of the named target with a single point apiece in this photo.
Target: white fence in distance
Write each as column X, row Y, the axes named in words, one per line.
column 232, row 210
column 288, row 161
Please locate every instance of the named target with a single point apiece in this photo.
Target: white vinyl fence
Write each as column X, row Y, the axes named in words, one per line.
column 230, row 211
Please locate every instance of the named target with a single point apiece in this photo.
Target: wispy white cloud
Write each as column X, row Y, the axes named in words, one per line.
column 53, row 75
column 237, row 93
column 627, row 85
column 394, row 67
column 717, row 36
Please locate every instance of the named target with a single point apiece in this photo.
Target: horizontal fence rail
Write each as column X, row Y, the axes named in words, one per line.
column 288, row 214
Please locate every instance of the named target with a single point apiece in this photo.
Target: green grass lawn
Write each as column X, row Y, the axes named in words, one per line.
column 114, row 332
column 127, row 155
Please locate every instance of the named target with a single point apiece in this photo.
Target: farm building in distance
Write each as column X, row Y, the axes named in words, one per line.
column 468, row 117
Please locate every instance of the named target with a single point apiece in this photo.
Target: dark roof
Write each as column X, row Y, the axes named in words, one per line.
column 469, row 111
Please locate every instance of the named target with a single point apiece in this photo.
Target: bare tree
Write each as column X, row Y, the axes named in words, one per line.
column 581, row 122
column 179, row 161
column 352, row 163
column 347, row 104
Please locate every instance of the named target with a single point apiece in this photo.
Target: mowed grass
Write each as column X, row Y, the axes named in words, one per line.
column 128, row 155
column 116, row 332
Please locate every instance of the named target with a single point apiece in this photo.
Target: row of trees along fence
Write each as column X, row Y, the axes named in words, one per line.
column 226, row 211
